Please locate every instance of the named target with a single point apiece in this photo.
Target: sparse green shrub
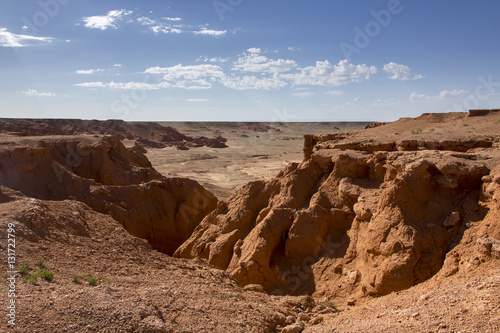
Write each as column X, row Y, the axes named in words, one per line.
column 329, row 304
column 24, row 269
column 416, row 131
column 40, row 263
column 108, row 283
column 47, row 274
column 76, row 278
column 31, row 278
column 92, row 280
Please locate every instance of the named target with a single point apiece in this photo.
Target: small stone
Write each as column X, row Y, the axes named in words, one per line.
column 316, row 321
column 303, row 317
column 351, row 302
column 318, row 308
column 281, row 318
column 327, row 310
column 452, row 220
column 415, row 315
column 254, row 287
column 294, row 328
column 290, row 320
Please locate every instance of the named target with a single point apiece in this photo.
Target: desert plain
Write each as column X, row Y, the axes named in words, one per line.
column 251, row 227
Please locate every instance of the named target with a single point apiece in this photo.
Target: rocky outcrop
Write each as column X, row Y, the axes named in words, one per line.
column 481, row 112
column 149, row 134
column 111, row 179
column 349, row 221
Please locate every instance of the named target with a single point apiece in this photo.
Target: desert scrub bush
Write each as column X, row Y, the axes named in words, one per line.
column 108, row 283
column 46, row 274
column 92, row 280
column 24, row 269
column 329, row 304
column 31, row 278
column 76, row 278
column 416, row 131
column 40, row 263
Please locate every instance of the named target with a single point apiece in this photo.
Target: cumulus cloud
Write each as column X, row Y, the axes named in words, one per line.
column 9, row 39
column 189, row 77
column 89, row 71
column 254, row 50
column 443, row 95
column 401, row 72
column 33, row 92
column 326, row 74
column 271, row 75
column 193, row 72
column 255, row 62
column 209, row 32
column 219, row 60
column 156, row 26
column 125, row 85
column 107, row 21
column 251, row 82
column 172, row 18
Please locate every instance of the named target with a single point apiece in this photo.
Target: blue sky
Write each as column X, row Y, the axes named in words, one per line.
column 247, row 60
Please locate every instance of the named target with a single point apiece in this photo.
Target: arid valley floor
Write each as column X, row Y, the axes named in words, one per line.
column 109, row 226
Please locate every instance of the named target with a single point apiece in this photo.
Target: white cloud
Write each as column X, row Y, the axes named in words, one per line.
column 146, row 21
column 9, row 39
column 89, row 71
column 254, row 50
column 254, row 62
column 193, row 84
column 304, row 94
column 194, row 72
column 172, row 18
column 385, row 102
column 33, row 92
column 117, row 65
column 124, row 85
column 165, row 29
column 213, row 59
column 326, row 74
column 443, row 95
column 334, row 93
column 252, row 82
column 197, row 100
column 401, row 72
column 209, row 32
column 108, row 21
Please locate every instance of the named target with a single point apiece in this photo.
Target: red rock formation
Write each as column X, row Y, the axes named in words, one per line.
column 365, row 218
column 111, row 179
column 149, row 134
